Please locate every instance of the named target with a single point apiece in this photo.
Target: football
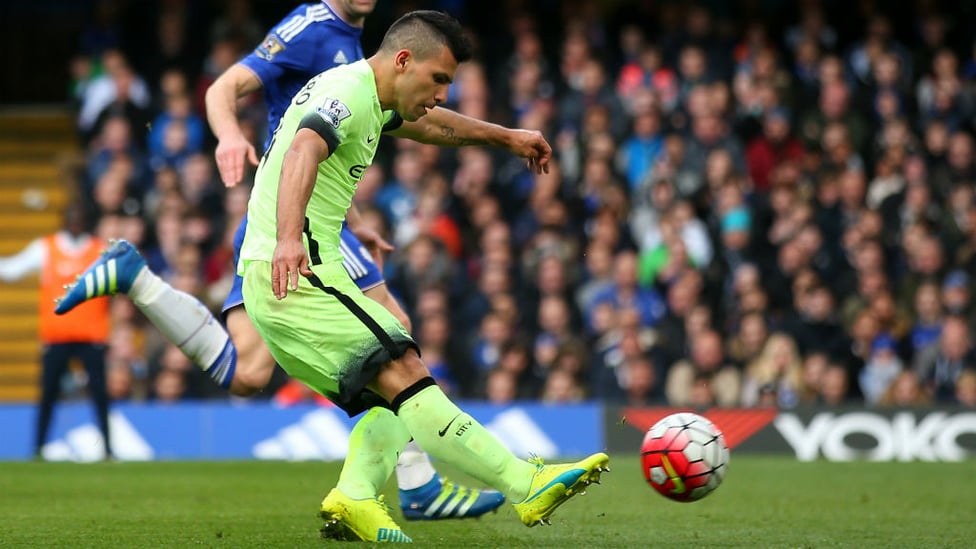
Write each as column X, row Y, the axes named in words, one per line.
column 684, row 457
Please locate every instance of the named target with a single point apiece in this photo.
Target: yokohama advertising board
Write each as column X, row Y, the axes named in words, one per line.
column 845, row 434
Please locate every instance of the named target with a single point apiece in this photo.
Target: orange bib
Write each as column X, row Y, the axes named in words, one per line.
column 86, row 323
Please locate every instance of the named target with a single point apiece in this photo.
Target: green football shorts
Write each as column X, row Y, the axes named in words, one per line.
column 327, row 334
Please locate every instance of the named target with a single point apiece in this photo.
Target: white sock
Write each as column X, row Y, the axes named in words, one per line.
column 413, row 468
column 187, row 323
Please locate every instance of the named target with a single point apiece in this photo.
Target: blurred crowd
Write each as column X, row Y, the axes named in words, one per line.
column 741, row 210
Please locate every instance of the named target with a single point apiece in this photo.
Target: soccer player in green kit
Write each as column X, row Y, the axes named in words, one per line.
column 317, row 323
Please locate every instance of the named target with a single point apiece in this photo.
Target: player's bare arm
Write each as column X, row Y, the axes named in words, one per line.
column 221, row 99
column 447, row 128
column 298, row 173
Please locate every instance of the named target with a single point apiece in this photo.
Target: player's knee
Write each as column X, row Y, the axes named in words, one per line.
column 404, row 319
column 250, row 377
column 411, row 390
column 243, row 387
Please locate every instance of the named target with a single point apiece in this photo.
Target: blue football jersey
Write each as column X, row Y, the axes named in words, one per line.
column 309, row 40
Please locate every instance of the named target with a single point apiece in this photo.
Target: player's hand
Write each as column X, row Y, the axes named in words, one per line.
column 289, row 260
column 531, row 145
column 375, row 243
column 231, row 152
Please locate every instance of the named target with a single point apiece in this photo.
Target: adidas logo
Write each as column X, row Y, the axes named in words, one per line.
column 85, row 444
column 102, row 281
column 323, row 435
column 319, row 435
column 340, row 58
column 516, row 430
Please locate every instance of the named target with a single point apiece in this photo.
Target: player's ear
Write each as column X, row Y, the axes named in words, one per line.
column 401, row 59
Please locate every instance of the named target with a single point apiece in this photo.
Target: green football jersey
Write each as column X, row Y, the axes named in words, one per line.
column 345, row 98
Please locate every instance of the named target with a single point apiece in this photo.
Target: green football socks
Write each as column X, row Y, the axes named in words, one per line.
column 374, row 445
column 449, row 434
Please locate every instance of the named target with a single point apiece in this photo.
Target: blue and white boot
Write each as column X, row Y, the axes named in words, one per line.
column 442, row 499
column 112, row 273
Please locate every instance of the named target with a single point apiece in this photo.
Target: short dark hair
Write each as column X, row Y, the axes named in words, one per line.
column 422, row 31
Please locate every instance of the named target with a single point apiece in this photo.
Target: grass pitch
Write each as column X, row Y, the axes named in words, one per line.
column 765, row 502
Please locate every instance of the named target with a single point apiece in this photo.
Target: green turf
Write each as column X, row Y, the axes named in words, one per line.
column 764, row 502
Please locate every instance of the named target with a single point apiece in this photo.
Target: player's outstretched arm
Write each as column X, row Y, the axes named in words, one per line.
column 298, row 172
column 447, row 128
column 221, row 99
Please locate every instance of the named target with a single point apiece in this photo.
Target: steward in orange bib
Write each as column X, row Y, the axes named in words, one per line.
column 82, row 334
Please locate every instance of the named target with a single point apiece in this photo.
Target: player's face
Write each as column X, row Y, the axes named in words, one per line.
column 424, row 84
column 355, row 8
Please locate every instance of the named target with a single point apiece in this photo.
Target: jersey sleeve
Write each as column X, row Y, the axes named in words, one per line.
column 291, row 45
column 391, row 121
column 335, row 104
column 326, row 120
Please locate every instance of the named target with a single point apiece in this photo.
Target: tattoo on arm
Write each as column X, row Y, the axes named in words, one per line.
column 450, row 134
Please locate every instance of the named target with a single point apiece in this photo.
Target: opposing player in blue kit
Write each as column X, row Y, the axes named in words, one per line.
column 312, row 38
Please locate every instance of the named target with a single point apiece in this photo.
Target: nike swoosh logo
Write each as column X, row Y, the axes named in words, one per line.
column 370, row 139
column 443, row 431
column 567, row 479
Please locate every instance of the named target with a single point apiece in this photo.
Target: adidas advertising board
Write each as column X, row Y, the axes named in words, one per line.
column 260, row 430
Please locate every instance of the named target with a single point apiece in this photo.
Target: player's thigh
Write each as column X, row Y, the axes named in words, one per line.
column 381, row 294
column 254, row 361
column 326, row 334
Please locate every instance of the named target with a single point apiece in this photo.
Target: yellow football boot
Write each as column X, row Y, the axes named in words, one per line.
column 348, row 519
column 553, row 485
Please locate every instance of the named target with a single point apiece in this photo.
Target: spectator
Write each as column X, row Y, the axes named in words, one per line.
column 928, row 318
column 814, row 366
column 592, row 89
column 880, row 370
column 555, row 329
column 598, row 277
column 434, row 336
column 486, row 349
column 940, row 366
column 957, row 295
column 683, row 296
column 397, row 198
column 80, row 335
column 169, row 386
column 424, row 262
column 834, row 386
column 118, row 84
column 773, row 147
column 778, row 371
column 966, row 389
column 750, row 339
column 641, row 150
column 562, row 387
column 641, row 386
column 175, row 134
column 626, row 292
column 516, row 359
column 501, row 387
column 706, row 364
column 905, row 391
column 815, row 326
